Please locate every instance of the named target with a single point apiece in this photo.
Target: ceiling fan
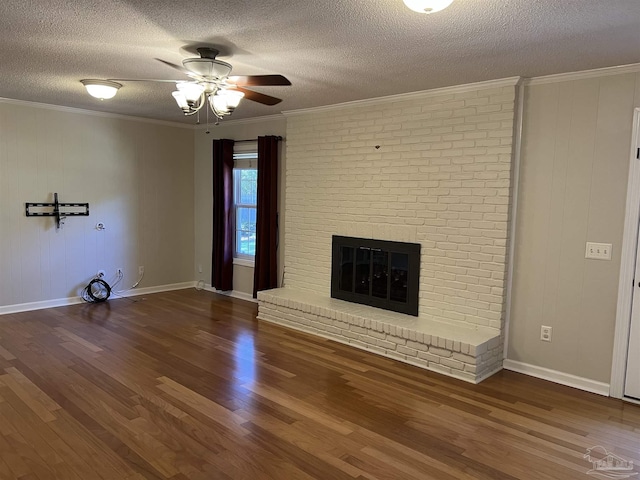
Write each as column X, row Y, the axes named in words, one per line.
column 210, row 83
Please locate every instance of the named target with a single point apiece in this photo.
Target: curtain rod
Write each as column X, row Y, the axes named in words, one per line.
column 279, row 138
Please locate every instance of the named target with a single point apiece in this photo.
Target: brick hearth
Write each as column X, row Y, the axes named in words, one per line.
column 461, row 351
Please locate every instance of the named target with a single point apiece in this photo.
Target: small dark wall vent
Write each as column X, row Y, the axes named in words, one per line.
column 378, row 273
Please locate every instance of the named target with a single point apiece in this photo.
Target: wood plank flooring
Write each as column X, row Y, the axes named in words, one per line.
column 189, row 385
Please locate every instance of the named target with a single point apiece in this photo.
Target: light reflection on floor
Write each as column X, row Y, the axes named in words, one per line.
column 245, row 359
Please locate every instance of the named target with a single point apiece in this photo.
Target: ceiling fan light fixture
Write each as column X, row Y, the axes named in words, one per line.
column 191, row 91
column 225, row 101
column 181, row 100
column 233, row 97
column 209, row 85
column 207, row 67
column 219, row 104
column 427, row 6
column 101, row 89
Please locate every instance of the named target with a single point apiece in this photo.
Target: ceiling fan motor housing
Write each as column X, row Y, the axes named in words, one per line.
column 208, row 68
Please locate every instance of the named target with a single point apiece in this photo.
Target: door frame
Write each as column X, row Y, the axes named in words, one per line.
column 627, row 266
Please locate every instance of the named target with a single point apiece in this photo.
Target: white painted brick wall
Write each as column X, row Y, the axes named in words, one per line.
column 440, row 177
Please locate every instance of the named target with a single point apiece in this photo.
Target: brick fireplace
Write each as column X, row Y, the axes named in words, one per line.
column 432, row 168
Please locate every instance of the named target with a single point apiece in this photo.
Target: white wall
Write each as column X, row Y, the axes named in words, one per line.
column 236, row 130
column 575, row 157
column 137, row 178
column 432, row 168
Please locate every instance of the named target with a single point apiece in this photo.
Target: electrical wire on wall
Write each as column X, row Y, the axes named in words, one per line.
column 120, row 293
column 96, row 291
column 132, row 286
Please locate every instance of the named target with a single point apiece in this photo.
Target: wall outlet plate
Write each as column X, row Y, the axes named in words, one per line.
column 598, row 251
column 545, row 333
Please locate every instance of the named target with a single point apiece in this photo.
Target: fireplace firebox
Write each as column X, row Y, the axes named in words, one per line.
column 379, row 273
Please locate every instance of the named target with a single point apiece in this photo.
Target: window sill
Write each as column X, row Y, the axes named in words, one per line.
column 244, row 262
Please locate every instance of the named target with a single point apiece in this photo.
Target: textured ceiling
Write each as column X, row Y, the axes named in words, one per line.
column 332, row 50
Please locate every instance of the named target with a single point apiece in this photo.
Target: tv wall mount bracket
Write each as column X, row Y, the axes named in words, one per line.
column 58, row 210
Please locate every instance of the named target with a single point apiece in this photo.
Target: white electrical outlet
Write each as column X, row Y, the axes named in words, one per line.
column 101, row 273
column 598, row 251
column 199, row 268
column 141, row 270
column 545, row 333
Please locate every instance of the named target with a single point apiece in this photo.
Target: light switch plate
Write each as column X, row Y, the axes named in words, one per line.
column 598, row 251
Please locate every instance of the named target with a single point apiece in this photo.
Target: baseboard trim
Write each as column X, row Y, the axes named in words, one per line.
column 63, row 302
column 230, row 293
column 27, row 307
column 157, row 289
column 243, row 296
column 555, row 376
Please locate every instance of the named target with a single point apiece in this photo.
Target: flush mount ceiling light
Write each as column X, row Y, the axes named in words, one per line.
column 209, row 83
column 427, row 6
column 102, row 89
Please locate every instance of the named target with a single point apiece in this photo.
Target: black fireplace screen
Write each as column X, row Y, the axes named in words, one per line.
column 376, row 272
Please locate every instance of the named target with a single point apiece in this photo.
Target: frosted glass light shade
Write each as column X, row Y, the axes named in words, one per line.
column 233, row 98
column 181, row 100
column 102, row 89
column 427, row 6
column 219, row 103
column 225, row 101
column 191, row 91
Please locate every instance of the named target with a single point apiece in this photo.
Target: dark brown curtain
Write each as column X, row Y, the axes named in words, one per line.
column 265, row 274
column 223, row 218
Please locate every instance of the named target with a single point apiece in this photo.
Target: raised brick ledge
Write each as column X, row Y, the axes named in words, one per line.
column 469, row 353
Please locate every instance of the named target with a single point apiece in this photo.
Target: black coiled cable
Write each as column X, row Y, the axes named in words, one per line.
column 96, row 291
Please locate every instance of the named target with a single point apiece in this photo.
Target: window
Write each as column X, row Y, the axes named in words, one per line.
column 245, row 182
column 245, row 176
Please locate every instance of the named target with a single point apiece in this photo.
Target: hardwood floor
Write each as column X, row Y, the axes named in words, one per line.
column 188, row 385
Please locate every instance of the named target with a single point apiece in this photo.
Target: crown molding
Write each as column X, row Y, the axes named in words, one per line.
column 468, row 87
column 243, row 121
column 61, row 108
column 582, row 75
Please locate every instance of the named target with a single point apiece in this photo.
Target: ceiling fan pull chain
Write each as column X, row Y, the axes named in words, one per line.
column 207, row 131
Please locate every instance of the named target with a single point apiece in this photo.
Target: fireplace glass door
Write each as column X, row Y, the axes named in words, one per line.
column 375, row 272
